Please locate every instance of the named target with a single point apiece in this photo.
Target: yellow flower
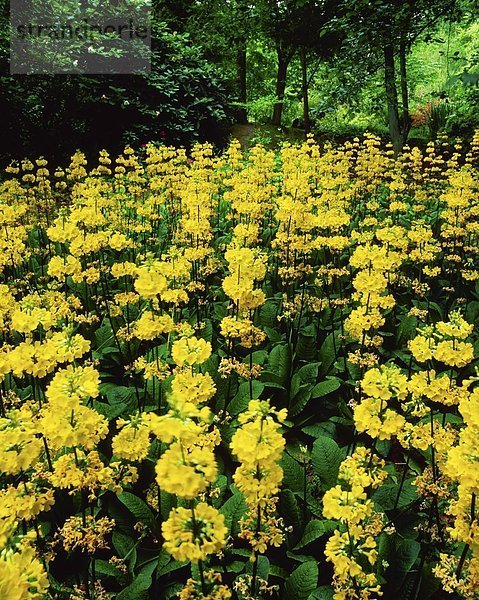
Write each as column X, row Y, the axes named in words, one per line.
column 20, row 447
column 347, row 505
column 149, row 326
column 194, row 535
column 190, row 351
column 70, row 386
column 454, row 354
column 186, row 470
column 421, row 348
column 133, row 440
column 22, row 575
column 150, row 283
column 372, row 416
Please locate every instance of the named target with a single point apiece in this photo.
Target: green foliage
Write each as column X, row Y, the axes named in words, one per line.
column 326, row 457
column 182, row 100
column 302, row 582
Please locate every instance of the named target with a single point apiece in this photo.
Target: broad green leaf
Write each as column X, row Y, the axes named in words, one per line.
column 308, row 373
column 262, row 569
column 327, row 354
column 314, row 530
column 103, row 567
column 306, row 345
column 325, row 592
column 293, row 473
column 233, row 509
column 169, row 567
column 267, row 315
column 300, row 400
column 406, row 330
column 139, row 509
column 122, row 543
column 109, row 411
column 276, row 571
column 295, row 385
column 323, row 388
column 397, row 556
column 279, row 362
column 328, row 429
column 167, row 502
column 140, row 586
column 302, row 582
column 326, row 457
column 206, row 332
column 290, row 509
column 387, row 495
column 242, row 398
column 119, row 394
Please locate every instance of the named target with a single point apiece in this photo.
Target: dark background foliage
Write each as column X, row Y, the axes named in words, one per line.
column 400, row 69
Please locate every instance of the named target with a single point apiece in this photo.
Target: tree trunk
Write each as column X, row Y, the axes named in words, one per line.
column 242, row 82
column 392, row 98
column 304, row 87
column 406, row 117
column 283, row 62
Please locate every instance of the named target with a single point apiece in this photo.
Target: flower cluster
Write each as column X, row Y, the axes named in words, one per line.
column 353, row 547
column 158, row 310
column 258, row 445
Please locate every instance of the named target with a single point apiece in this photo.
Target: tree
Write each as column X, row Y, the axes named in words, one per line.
column 182, row 100
column 276, row 19
column 314, row 28
column 222, row 28
column 384, row 30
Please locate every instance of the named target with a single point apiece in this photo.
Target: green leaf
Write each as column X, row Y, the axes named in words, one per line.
column 293, row 473
column 168, row 501
column 295, row 385
column 103, row 567
column 429, row 584
column 276, row 571
column 387, row 495
column 302, row 582
column 405, row 555
column 398, row 555
column 273, row 334
column 107, row 410
column 244, row 394
column 263, row 567
column 290, row 509
column 139, row 509
column 221, row 484
column 323, row 388
column 472, row 311
column 122, row 543
column 169, row 567
column 279, row 362
column 267, row 315
column 407, row 329
column 319, row 429
column 140, row 586
column 233, row 509
column 259, row 357
column 327, row 354
column 104, row 337
column 220, row 310
column 308, row 373
column 206, row 332
column 118, row 394
column 300, row 400
column 306, row 346
column 325, row 592
column 326, row 457
column 314, row 530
